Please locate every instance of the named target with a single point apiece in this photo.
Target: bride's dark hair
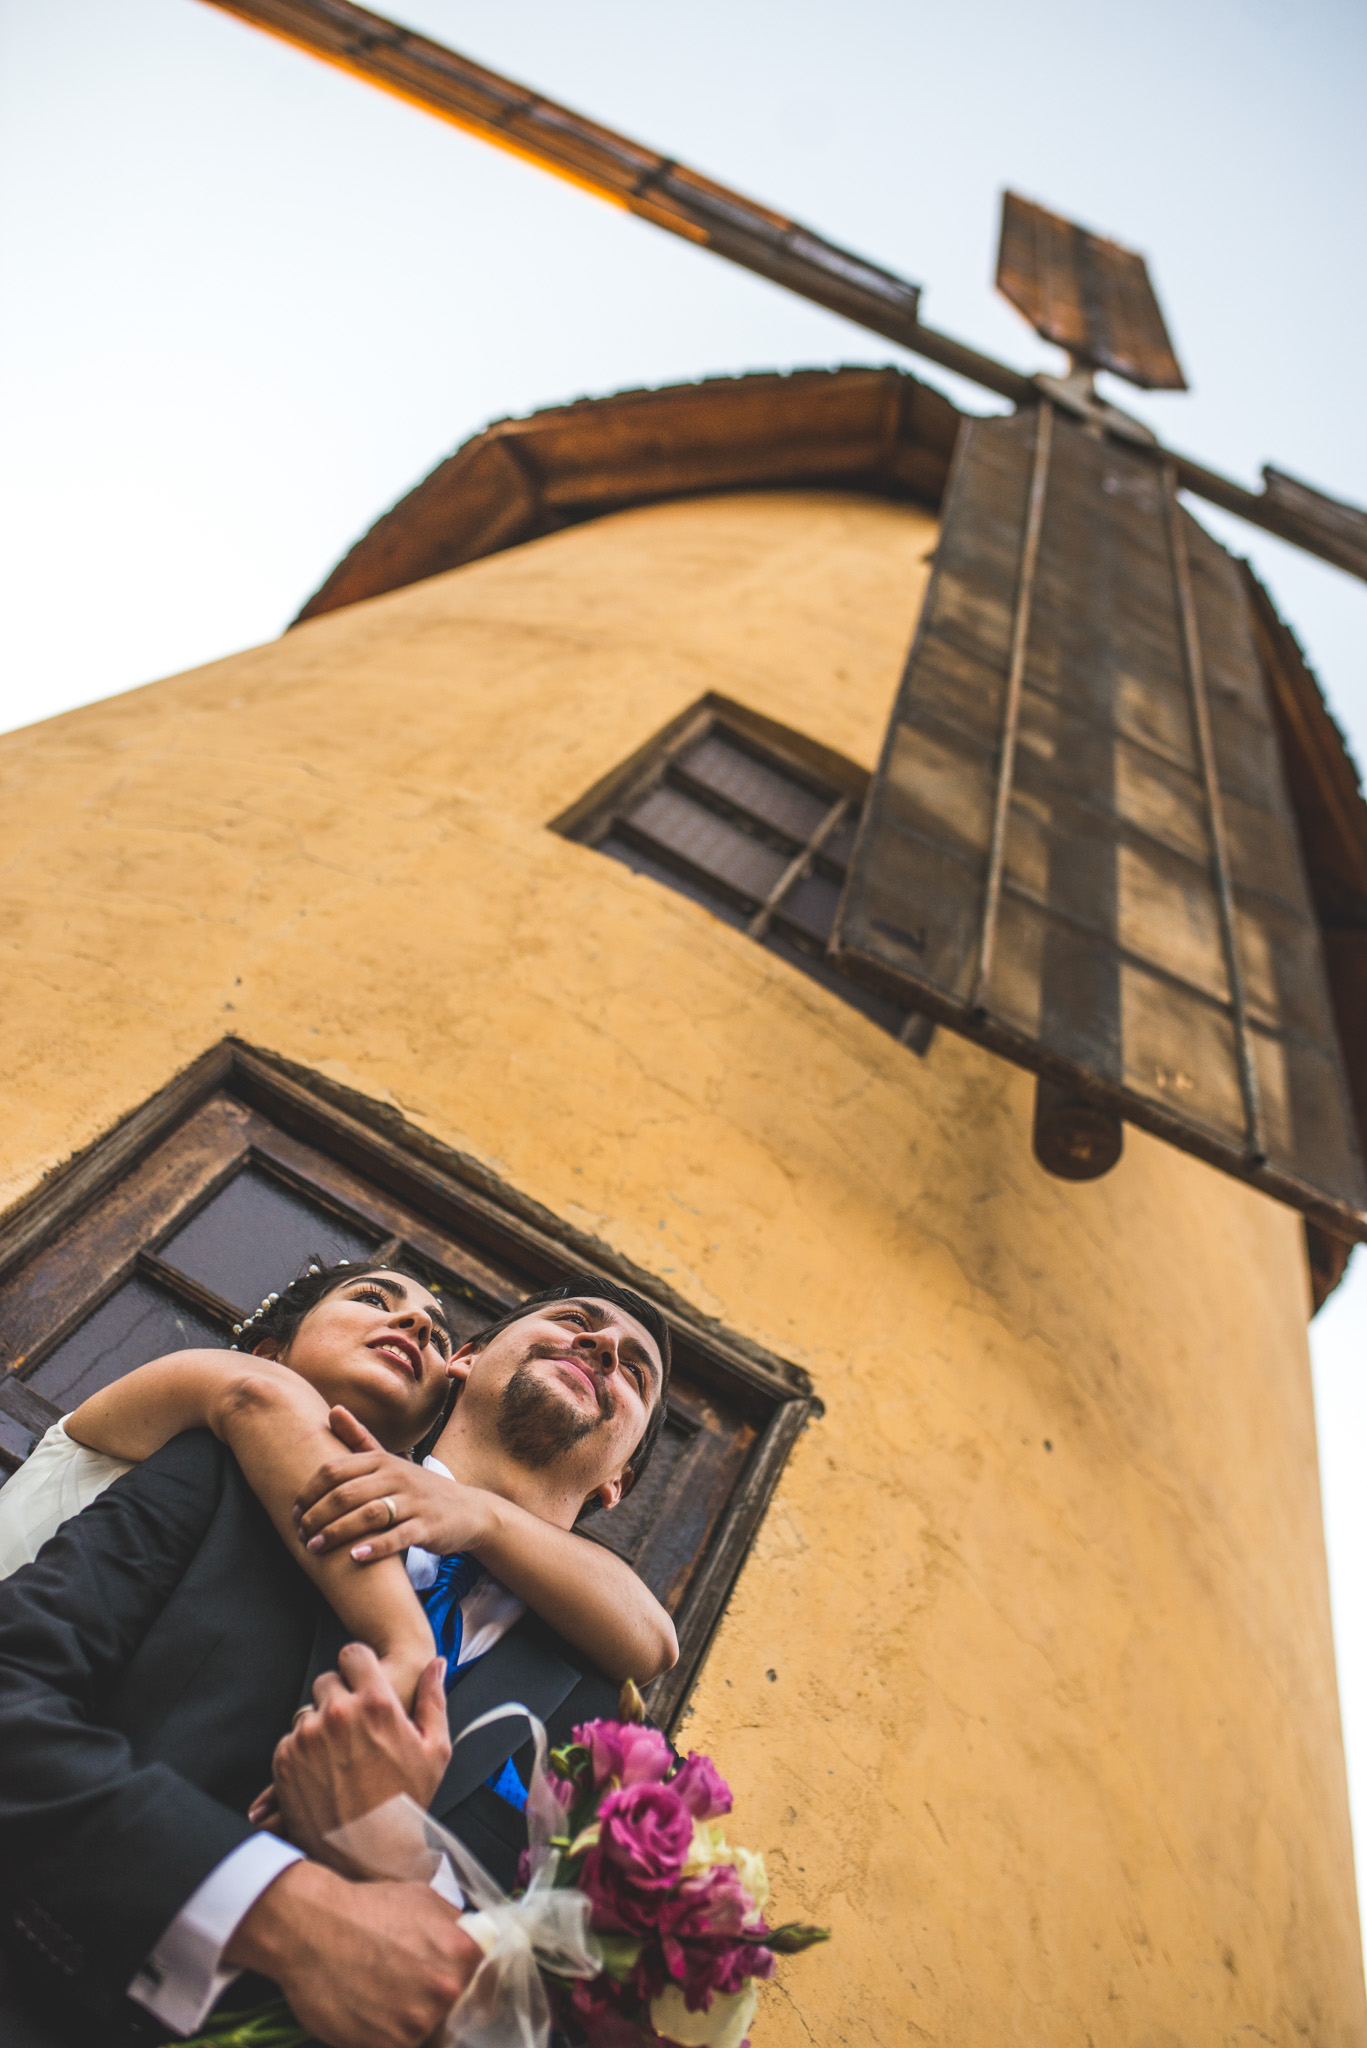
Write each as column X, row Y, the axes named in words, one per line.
column 280, row 1315
column 278, row 1318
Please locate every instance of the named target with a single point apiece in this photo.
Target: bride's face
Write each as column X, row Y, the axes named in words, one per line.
column 379, row 1345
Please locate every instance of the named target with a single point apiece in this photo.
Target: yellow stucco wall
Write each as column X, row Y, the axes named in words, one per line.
column 1048, row 1735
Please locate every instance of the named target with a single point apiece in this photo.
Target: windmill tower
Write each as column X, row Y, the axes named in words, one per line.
column 964, row 1044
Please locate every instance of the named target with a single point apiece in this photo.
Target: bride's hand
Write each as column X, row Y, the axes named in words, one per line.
column 377, row 1503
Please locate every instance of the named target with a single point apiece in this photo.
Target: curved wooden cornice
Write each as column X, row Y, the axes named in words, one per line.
column 877, row 431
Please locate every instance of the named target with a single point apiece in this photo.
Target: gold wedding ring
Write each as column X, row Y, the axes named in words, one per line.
column 389, row 1502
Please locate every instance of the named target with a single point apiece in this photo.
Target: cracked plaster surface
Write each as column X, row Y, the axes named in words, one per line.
column 1052, row 1732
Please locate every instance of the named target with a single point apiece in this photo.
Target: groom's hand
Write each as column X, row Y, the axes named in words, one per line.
column 356, row 1747
column 362, row 1965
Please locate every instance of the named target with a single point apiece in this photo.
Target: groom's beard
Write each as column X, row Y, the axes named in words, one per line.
column 535, row 1426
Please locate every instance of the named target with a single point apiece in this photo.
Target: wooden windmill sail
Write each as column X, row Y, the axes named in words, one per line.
column 1079, row 846
column 1086, row 293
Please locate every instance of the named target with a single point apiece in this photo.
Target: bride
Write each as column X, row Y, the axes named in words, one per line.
column 358, row 1358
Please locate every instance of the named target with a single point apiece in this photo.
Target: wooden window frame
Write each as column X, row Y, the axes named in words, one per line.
column 604, row 811
column 67, row 1248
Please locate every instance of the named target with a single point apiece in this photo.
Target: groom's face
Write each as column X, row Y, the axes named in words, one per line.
column 380, row 1346
column 572, row 1386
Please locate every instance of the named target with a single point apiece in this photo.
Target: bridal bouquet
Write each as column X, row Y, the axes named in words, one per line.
column 676, row 1913
column 636, row 1921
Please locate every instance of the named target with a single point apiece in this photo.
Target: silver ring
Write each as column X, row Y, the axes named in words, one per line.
column 299, row 1714
column 389, row 1502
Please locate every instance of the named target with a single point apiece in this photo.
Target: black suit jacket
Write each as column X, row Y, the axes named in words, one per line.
column 150, row 1659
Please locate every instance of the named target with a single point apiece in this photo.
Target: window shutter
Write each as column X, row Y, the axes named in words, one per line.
column 1078, row 847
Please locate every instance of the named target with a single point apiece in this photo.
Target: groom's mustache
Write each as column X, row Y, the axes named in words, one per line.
column 547, row 1349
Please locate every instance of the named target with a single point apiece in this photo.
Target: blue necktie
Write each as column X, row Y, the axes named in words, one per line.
column 455, row 1577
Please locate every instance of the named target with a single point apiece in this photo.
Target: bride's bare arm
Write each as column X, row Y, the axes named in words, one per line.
column 137, row 1414
column 276, row 1426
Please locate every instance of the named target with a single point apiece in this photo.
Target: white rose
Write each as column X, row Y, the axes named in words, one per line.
column 753, row 1875
column 708, row 1846
column 725, row 2024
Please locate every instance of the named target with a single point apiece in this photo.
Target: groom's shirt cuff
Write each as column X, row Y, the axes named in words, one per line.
column 184, row 1977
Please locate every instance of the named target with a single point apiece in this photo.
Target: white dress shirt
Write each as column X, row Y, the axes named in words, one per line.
column 185, row 1976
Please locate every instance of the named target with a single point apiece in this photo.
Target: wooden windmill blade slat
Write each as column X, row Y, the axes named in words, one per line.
column 1328, row 526
column 1078, row 847
column 1035, row 271
column 1085, row 293
column 1327, row 795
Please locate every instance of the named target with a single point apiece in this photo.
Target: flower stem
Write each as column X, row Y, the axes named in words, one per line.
column 266, row 2026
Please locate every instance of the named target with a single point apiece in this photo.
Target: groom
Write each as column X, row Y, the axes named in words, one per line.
column 156, row 1652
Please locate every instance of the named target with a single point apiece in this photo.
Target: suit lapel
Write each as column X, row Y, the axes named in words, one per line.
column 530, row 1666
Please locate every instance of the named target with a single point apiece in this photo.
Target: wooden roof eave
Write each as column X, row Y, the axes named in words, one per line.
column 877, row 431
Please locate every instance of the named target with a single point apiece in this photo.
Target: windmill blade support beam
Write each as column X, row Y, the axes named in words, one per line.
column 1333, row 540
column 658, row 189
column 626, row 173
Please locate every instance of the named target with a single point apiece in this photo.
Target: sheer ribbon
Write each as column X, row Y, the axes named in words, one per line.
column 504, row 2005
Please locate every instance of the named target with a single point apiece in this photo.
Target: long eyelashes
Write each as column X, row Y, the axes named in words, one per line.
column 441, row 1343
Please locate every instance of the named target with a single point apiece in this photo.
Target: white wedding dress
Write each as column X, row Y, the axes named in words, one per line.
column 60, row 1477
column 56, row 1480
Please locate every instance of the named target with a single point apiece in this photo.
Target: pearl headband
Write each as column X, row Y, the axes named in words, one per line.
column 268, row 1302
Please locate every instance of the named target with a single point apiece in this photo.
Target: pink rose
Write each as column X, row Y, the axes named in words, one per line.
column 715, row 1903
column 721, row 1966
column 595, row 2006
column 701, row 1787
column 626, row 1751
column 617, row 1906
column 651, row 1974
column 646, row 1830
column 710, row 1937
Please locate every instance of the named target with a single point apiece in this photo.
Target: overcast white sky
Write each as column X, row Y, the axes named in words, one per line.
column 250, row 301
